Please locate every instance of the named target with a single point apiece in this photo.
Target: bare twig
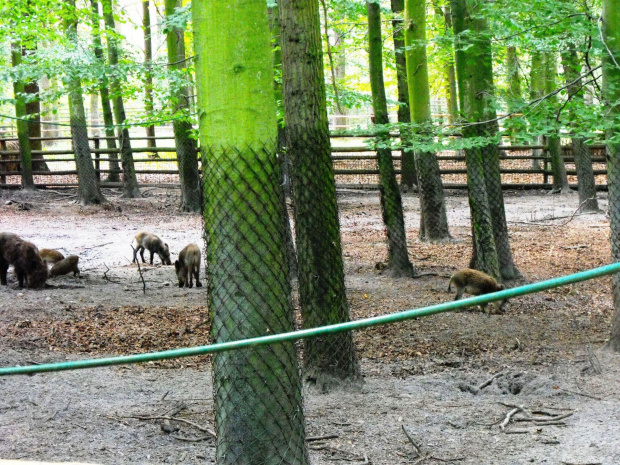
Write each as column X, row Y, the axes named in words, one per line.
column 489, row 381
column 509, row 415
column 105, row 276
column 140, row 270
column 201, row 438
column 321, row 438
column 581, row 394
column 99, row 245
column 204, row 429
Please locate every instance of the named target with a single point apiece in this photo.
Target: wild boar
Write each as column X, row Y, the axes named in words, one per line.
column 24, row 256
column 66, row 266
column 50, row 256
column 187, row 265
column 153, row 244
column 475, row 282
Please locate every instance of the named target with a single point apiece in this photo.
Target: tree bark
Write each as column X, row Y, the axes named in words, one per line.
column 515, row 99
column 611, row 97
column 130, row 182
column 187, row 151
column 586, row 184
column 33, row 110
column 148, row 75
column 391, row 202
column 322, row 292
column 88, row 185
column 22, row 125
column 558, row 168
column 537, row 88
column 432, row 199
column 257, row 391
column 408, row 175
column 106, row 108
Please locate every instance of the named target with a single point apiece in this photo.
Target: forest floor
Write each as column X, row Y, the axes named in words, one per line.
column 421, row 379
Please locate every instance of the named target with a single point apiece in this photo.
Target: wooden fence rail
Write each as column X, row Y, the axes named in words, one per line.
column 354, row 165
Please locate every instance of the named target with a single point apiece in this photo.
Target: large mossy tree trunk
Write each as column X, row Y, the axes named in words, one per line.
column 187, row 152
column 408, row 175
column 88, row 186
column 22, row 125
column 611, row 97
column 130, row 181
column 258, row 405
column 586, row 184
column 558, row 168
column 434, row 223
column 391, row 202
column 104, row 92
column 473, row 84
column 148, row 75
column 322, row 292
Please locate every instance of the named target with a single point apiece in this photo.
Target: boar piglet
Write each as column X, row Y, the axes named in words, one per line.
column 66, row 266
column 50, row 256
column 187, row 265
column 152, row 243
column 475, row 282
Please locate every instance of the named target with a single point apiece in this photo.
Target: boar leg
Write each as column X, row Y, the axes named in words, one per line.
column 198, row 283
column 459, row 293
column 4, row 266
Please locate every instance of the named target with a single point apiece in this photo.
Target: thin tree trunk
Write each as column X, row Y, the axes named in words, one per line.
column 586, row 184
column 558, row 168
column 515, row 99
column 130, row 182
column 611, row 97
column 88, row 185
column 432, row 199
column 408, row 176
column 148, row 75
column 322, row 291
column 22, row 125
column 106, row 108
column 537, row 88
column 257, row 391
column 391, row 202
column 187, row 152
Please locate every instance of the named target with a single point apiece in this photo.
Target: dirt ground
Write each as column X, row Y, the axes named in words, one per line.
column 422, row 399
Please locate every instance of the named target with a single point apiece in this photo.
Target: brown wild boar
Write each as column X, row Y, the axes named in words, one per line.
column 475, row 282
column 153, row 244
column 24, row 256
column 66, row 266
column 50, row 256
column 187, row 265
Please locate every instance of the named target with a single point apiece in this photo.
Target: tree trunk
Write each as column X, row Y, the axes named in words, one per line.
column 322, row 291
column 481, row 66
column 258, row 406
column 514, row 102
column 276, row 47
column 148, row 75
column 537, row 87
column 187, row 152
column 22, row 124
column 88, row 185
column 408, row 176
column 130, row 182
column 558, row 168
column 611, row 97
column 106, row 108
column 33, row 110
column 391, row 202
column 432, row 200
column 586, row 185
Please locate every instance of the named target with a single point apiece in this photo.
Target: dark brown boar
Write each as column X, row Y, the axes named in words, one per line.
column 50, row 256
column 187, row 265
column 24, row 256
column 475, row 282
column 152, row 243
column 66, row 266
